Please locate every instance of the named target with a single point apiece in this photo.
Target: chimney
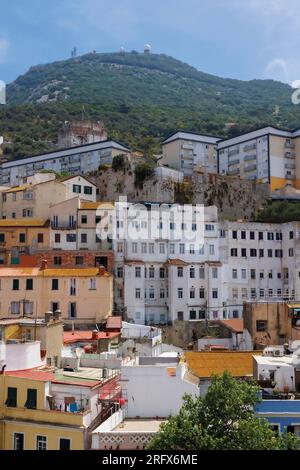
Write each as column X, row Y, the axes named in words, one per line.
column 48, row 316
column 102, row 270
column 57, row 315
column 44, row 265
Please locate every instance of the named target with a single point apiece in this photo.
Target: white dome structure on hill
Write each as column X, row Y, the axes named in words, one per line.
column 147, row 48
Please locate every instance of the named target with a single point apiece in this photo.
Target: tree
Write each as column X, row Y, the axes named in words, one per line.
column 223, row 419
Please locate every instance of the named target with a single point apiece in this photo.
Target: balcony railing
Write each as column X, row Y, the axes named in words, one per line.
column 63, row 225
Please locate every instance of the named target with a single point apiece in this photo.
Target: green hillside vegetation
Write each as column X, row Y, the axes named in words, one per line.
column 141, row 98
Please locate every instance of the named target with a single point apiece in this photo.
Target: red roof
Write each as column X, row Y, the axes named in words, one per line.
column 235, row 324
column 114, row 323
column 32, row 374
column 71, row 337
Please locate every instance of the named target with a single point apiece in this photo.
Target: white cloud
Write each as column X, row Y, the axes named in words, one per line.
column 4, row 48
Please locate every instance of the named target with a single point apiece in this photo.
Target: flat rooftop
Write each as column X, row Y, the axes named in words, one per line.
column 139, row 425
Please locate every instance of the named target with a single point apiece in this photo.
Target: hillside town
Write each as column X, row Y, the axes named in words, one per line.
column 118, row 284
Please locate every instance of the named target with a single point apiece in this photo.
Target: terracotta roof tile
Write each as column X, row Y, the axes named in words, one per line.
column 32, row 374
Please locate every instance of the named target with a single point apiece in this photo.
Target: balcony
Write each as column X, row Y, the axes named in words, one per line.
column 233, row 152
column 46, row 416
column 233, row 162
column 289, row 145
column 290, row 155
column 63, row 225
column 250, row 168
column 250, row 157
column 290, row 177
column 249, row 147
column 290, row 166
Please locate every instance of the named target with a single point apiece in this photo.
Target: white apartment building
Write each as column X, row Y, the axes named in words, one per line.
column 75, row 160
column 268, row 154
column 189, row 151
column 159, row 281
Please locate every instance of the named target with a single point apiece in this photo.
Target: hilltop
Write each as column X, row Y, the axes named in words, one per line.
column 140, row 97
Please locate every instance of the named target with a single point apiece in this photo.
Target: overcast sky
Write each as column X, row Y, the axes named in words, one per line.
column 231, row 38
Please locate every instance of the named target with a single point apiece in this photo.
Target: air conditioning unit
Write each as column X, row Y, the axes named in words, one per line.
column 274, row 351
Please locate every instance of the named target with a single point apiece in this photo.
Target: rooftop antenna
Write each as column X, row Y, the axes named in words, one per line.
column 74, row 52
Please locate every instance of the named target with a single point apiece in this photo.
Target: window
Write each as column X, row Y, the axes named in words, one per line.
column 57, row 260
column 72, row 310
column 15, row 308
column 120, row 247
column 291, row 251
column 182, row 248
column 278, row 253
column 291, row 235
column 40, row 238
column 151, row 248
column 55, row 284
column 2, row 238
column 215, row 273
column 252, row 274
column 180, row 293
column 180, row 272
column 211, row 249
column 22, row 238
column 88, row 190
column 244, row 252
column 270, row 236
column 151, row 273
column 151, row 293
column 144, row 248
column 138, row 272
column 18, row 441
column 162, row 248
column 261, row 325
column 180, row 316
column 92, row 284
column 71, row 238
column 261, row 253
column 202, row 273
column 134, row 248
column 201, row 293
column 73, row 287
column 278, row 236
column 260, row 235
column 253, row 252
column 244, row 274
column 209, row 228
column 98, row 219
column 84, row 238
column 235, row 293
column 244, row 293
column 84, row 219
column 162, row 293
column 11, row 400
column 172, row 249
column 252, row 235
column 243, row 235
column 79, row 260
column 29, row 284
column 16, row 284
column 41, row 443
column 192, row 293
column 57, row 238
column 64, row 444
column 261, row 293
column 270, row 253
column 261, row 274
column 234, row 234
column 253, row 293
column 137, row 293
column 192, row 273
column 192, row 249
column 120, row 273
column 193, row 315
column 233, row 252
column 234, row 274
column 215, row 293
column 31, row 399
column 77, row 188
column 270, row 275
column 202, row 315
column 222, row 233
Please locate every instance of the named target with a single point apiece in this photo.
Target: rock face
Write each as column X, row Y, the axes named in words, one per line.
column 234, row 198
